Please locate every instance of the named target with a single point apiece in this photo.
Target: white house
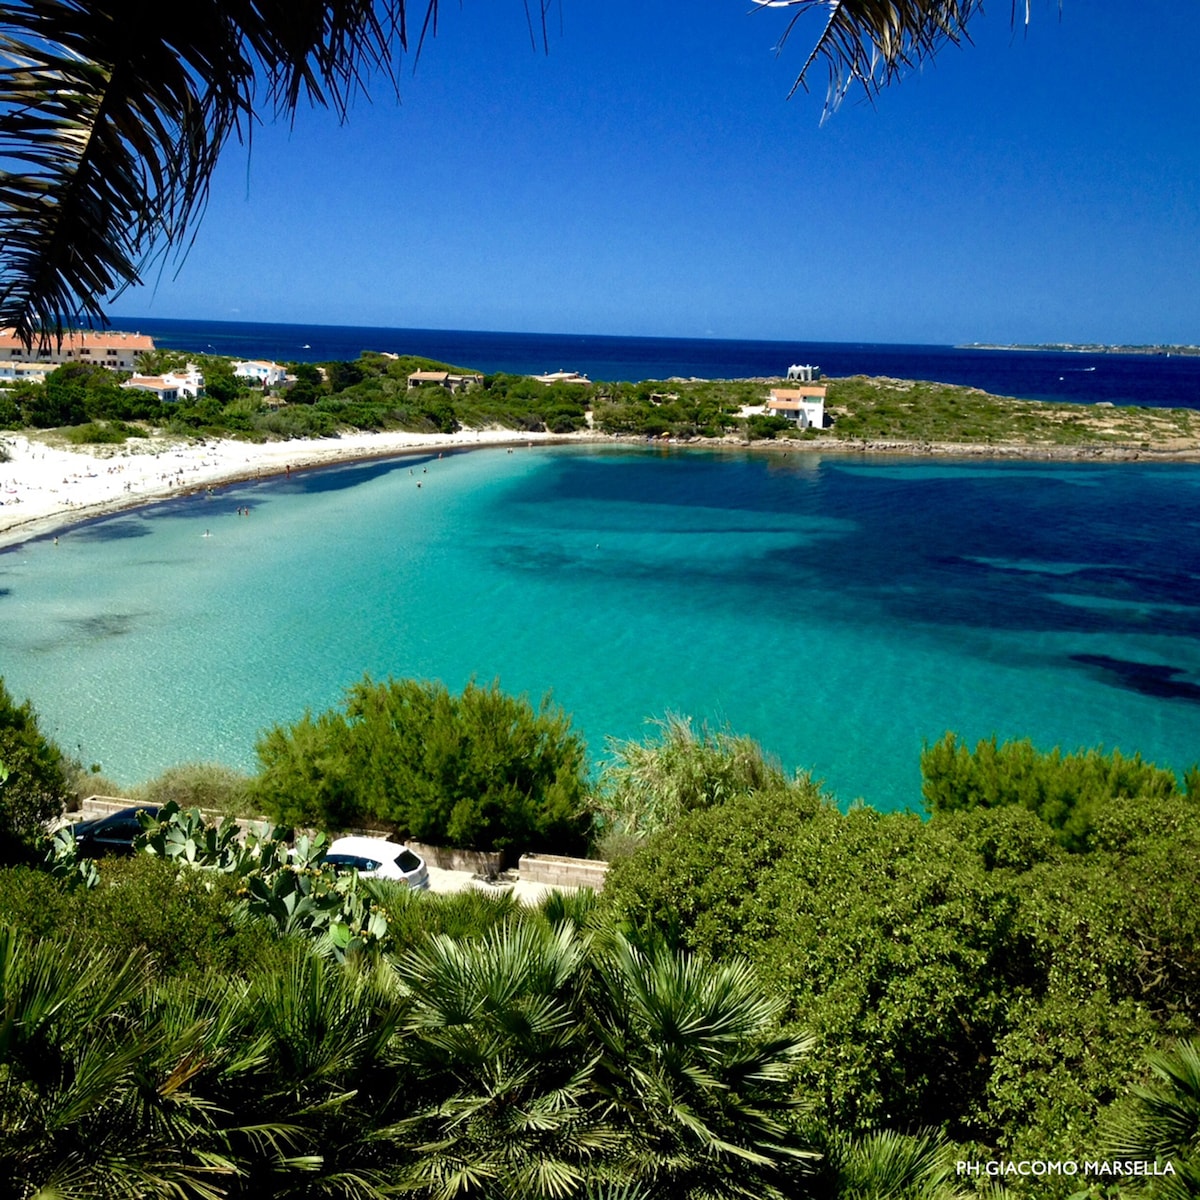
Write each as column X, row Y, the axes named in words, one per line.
column 563, row 377
column 174, row 385
column 28, row 372
column 267, row 373
column 804, row 405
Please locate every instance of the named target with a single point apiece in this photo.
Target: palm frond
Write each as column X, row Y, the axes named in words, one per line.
column 113, row 115
column 873, row 42
column 1165, row 1118
column 114, row 133
column 915, row 1166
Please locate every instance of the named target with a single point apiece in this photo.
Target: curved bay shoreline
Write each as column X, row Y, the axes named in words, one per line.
column 46, row 489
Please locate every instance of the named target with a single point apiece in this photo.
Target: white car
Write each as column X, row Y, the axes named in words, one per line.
column 379, row 858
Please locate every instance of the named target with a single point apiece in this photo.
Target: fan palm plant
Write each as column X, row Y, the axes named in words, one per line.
column 887, row 1166
column 698, row 1073
column 306, row 1077
column 93, row 1090
column 1164, row 1122
column 501, row 1063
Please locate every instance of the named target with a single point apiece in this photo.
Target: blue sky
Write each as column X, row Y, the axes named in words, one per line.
column 649, row 176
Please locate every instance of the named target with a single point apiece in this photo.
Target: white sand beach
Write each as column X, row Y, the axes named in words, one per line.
column 45, row 487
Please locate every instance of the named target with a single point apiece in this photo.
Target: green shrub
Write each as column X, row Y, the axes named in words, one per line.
column 36, row 789
column 762, row 426
column 966, row 971
column 10, row 418
column 481, row 770
column 213, row 787
column 96, row 433
column 1062, row 789
column 34, row 902
column 182, row 919
column 647, row 785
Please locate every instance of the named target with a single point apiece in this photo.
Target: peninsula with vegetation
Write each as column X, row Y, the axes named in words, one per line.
column 164, row 421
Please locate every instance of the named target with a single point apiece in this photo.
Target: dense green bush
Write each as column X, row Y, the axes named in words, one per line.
column 1062, row 789
column 967, row 970
column 182, row 921
column 36, row 789
column 760, row 425
column 10, row 415
column 481, row 770
column 102, row 433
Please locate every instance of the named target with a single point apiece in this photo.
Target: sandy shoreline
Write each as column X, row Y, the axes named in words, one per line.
column 45, row 488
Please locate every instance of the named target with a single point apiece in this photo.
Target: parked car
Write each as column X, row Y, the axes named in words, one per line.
column 113, row 834
column 379, row 858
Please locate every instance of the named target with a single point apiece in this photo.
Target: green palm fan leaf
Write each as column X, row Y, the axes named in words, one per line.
column 499, row 1067
column 890, row 1166
column 698, row 1071
column 1164, row 1120
column 92, row 1093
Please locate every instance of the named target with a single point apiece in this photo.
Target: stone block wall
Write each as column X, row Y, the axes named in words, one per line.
column 559, row 871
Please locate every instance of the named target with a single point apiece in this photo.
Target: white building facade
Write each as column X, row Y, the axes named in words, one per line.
column 112, row 349
column 269, row 374
column 172, row 386
column 804, row 405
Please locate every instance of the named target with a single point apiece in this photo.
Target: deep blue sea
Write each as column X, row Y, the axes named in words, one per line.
column 1152, row 380
column 842, row 610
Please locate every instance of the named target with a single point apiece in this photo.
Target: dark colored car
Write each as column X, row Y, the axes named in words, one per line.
column 113, row 834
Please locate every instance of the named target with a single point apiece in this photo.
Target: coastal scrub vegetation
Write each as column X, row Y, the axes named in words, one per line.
column 481, row 770
column 883, row 409
column 527, row 1061
column 1067, row 791
column 35, row 783
column 967, row 971
column 772, row 997
column 87, row 405
column 646, row 786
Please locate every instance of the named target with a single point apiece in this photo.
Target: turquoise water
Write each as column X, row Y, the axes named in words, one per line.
column 839, row 610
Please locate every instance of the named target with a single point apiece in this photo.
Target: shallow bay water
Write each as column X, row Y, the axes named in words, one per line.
column 841, row 610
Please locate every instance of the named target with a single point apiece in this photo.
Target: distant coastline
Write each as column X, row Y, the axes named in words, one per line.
column 1164, row 351
column 1150, row 378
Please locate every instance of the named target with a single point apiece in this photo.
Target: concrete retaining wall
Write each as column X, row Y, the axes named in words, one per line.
column 559, row 871
column 94, row 807
column 478, row 862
